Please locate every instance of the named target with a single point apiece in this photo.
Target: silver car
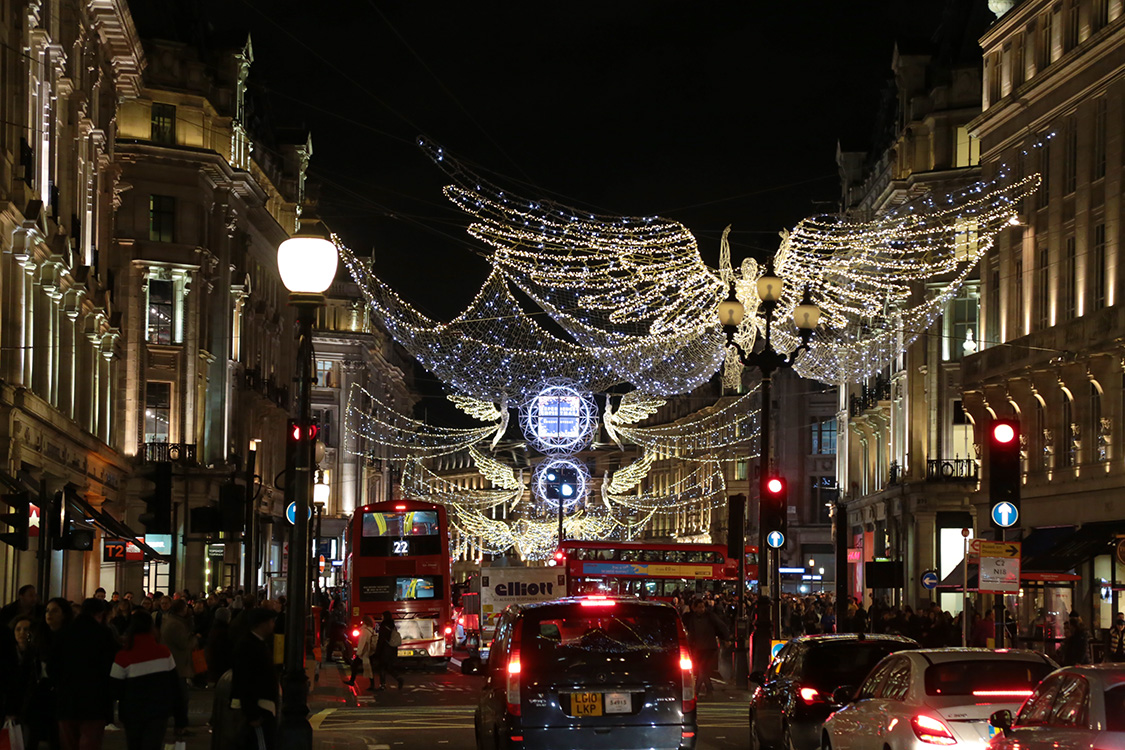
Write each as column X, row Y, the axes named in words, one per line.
column 1075, row 707
column 916, row 700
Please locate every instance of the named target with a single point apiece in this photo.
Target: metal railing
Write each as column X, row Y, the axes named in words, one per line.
column 951, row 470
column 174, row 452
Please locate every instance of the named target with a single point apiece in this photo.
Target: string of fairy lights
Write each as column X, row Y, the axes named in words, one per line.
column 633, row 304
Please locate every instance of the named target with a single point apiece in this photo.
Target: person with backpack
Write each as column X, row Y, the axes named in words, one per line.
column 385, row 659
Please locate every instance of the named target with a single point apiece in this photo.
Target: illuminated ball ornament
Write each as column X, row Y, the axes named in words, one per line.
column 307, row 261
column 561, row 481
column 559, row 418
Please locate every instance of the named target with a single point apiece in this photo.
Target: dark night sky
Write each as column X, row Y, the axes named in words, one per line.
column 710, row 113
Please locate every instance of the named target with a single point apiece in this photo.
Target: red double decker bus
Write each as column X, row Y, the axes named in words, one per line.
column 652, row 570
column 398, row 562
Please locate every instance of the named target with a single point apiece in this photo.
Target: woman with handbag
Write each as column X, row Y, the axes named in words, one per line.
column 386, row 652
column 364, row 650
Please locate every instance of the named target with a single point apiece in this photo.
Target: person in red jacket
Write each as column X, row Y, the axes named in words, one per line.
column 145, row 685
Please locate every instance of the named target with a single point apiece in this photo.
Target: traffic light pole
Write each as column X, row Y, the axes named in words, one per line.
column 765, row 554
column 295, row 731
column 250, row 529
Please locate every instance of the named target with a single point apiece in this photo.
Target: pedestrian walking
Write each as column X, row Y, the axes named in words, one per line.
column 26, row 604
column 144, row 684
column 705, row 630
column 1115, row 640
column 220, row 645
column 177, row 634
column 386, row 652
column 80, row 669
column 1075, row 648
column 364, row 652
column 254, row 688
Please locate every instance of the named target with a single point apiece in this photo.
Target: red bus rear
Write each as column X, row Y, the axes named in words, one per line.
column 398, row 562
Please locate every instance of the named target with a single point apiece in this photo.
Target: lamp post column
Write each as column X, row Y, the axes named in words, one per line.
column 295, row 731
column 250, row 523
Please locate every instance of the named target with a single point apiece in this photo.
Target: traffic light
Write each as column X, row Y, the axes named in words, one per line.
column 206, row 519
column 775, row 510
column 232, row 508
column 560, row 483
column 16, row 519
column 1004, row 473
column 736, row 526
column 157, row 518
column 560, row 557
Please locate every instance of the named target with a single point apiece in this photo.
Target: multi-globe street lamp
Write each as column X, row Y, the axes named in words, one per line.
column 806, row 316
column 307, row 264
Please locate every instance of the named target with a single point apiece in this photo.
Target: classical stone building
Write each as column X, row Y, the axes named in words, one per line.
column 1054, row 104
column 906, row 463
column 65, row 68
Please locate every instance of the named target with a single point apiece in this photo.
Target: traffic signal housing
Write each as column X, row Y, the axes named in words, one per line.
column 15, row 518
column 1004, row 476
column 775, row 508
column 736, row 526
column 157, row 517
column 560, row 483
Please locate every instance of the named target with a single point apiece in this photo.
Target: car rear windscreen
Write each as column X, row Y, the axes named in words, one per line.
column 998, row 680
column 569, row 633
column 832, row 665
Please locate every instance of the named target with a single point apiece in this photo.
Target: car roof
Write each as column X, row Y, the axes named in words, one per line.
column 1108, row 674
column 825, row 638
column 961, row 653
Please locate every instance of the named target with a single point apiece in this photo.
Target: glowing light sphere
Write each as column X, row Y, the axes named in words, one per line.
column 559, row 418
column 561, row 480
column 1003, row 433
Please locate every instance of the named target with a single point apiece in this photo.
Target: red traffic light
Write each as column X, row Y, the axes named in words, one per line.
column 1004, row 433
column 774, row 485
column 560, row 555
column 295, row 431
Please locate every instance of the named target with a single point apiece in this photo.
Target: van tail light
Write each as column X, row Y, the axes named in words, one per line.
column 931, row 730
column 598, row 601
column 355, row 633
column 513, row 670
column 687, row 673
column 449, row 630
column 809, row 695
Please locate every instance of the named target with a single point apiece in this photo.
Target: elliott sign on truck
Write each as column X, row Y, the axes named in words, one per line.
column 500, row 587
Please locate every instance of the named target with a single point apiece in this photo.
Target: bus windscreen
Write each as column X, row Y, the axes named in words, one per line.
column 406, row 523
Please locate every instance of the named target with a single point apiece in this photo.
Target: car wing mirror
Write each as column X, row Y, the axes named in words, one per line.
column 843, row 695
column 1002, row 720
column 758, row 677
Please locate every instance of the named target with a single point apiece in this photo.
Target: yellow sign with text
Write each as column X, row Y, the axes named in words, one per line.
column 999, row 549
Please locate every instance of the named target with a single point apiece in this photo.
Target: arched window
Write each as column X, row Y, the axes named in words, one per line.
column 1094, row 439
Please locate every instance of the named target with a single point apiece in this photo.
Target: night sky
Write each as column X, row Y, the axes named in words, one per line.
column 710, row 113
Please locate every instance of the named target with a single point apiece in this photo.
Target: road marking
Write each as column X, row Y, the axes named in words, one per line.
column 319, row 717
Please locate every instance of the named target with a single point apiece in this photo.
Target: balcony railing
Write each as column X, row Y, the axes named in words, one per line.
column 174, row 452
column 951, row 470
column 252, row 379
column 869, row 396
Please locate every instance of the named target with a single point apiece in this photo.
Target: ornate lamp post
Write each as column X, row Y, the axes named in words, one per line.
column 307, row 263
column 806, row 316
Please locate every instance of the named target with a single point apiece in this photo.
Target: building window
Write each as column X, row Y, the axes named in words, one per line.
column 1044, row 41
column 325, row 432
column 1067, row 449
column 741, row 469
column 163, row 123
column 1070, row 280
column 326, row 374
column 161, row 312
column 968, row 148
column 1099, row 14
column 158, row 412
column 1017, row 62
column 993, row 334
column 822, row 495
column 1096, row 438
column 162, row 218
column 964, row 314
column 1071, row 25
column 1043, row 288
column 1097, row 297
column 1100, row 117
column 1070, row 156
column 994, row 80
column 1017, row 299
column 824, row 437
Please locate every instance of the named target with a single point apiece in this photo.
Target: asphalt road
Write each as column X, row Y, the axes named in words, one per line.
column 433, row 711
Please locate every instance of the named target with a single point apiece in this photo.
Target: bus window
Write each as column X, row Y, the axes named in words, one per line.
column 695, row 556
column 676, row 556
column 630, row 555
column 652, row 555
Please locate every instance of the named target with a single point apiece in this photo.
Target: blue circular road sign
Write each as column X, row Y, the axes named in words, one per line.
column 930, row 579
column 775, row 539
column 291, row 513
column 1005, row 515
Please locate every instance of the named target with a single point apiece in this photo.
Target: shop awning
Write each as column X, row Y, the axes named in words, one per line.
column 1089, row 541
column 1044, row 538
column 110, row 525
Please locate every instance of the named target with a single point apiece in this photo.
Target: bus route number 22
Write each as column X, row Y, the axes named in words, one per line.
column 402, row 547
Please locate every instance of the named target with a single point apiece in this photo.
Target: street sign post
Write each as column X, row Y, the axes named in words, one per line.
column 930, row 580
column 1121, row 551
column 1000, row 567
column 1005, row 514
column 775, row 539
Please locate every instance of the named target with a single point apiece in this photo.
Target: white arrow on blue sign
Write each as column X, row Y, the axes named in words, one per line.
column 1005, row 514
column 930, row 579
column 291, row 513
column 775, row 539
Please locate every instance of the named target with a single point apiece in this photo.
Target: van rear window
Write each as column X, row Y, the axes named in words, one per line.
column 557, row 633
column 995, row 680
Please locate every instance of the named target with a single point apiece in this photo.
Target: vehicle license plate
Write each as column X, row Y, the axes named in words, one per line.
column 618, row 703
column 585, row 704
column 993, row 731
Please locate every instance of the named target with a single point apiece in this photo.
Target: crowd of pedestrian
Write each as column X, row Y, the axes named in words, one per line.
column 70, row 670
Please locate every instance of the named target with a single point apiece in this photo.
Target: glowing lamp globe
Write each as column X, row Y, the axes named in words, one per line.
column 307, row 261
column 769, row 287
column 321, row 493
column 731, row 311
column 1003, row 433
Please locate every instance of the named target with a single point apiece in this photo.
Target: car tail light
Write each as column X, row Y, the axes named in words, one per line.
column 931, row 730
column 449, row 630
column 809, row 695
column 513, row 670
column 687, row 673
column 1022, row 693
column 598, row 601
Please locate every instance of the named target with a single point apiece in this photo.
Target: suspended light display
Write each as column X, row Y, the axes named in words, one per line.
column 559, row 418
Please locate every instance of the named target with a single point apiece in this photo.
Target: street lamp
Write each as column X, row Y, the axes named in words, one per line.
column 806, row 316
column 307, row 264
